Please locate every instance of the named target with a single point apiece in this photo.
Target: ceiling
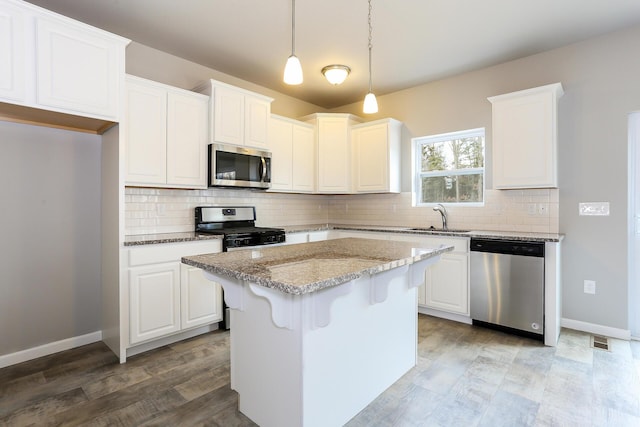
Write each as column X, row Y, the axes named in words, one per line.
column 414, row 41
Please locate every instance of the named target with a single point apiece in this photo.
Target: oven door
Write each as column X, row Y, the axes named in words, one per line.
column 231, row 166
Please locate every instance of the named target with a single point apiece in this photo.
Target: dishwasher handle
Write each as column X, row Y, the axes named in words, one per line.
column 508, row 247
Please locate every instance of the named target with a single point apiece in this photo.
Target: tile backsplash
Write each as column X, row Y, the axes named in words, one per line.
column 151, row 210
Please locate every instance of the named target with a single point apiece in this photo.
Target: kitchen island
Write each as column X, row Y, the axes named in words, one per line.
column 319, row 330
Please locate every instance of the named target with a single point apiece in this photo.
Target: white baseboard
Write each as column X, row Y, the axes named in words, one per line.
column 592, row 328
column 159, row 342
column 47, row 349
column 444, row 315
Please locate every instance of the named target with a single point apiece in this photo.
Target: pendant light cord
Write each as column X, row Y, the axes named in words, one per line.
column 370, row 45
column 293, row 27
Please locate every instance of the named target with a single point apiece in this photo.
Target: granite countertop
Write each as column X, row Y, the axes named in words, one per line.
column 149, row 239
column 487, row 234
column 309, row 267
column 152, row 239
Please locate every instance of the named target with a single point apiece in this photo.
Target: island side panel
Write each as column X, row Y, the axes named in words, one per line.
column 311, row 376
column 363, row 351
column 266, row 364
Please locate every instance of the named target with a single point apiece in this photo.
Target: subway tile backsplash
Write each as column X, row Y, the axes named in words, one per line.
column 149, row 211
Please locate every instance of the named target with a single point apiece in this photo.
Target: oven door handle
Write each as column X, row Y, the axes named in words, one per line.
column 263, row 171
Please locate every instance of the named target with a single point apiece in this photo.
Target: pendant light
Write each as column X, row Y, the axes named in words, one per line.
column 370, row 102
column 293, row 69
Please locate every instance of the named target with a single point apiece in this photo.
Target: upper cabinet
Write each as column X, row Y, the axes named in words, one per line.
column 525, row 138
column 166, row 138
column 376, row 156
column 333, row 140
column 293, row 156
column 238, row 116
column 50, row 62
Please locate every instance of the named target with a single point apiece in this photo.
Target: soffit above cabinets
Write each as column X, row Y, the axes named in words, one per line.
column 52, row 119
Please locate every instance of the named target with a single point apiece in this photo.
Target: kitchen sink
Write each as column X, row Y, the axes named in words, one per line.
column 439, row 230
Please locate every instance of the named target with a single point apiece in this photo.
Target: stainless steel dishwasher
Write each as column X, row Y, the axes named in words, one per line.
column 507, row 285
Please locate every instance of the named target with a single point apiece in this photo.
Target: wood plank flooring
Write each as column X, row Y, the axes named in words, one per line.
column 466, row 376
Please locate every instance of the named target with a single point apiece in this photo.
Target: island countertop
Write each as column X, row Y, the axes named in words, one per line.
column 310, row 267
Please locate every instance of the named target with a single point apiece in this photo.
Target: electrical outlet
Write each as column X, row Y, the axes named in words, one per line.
column 543, row 209
column 532, row 209
column 589, row 286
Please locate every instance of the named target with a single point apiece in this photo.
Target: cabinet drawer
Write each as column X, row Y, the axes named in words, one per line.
column 168, row 252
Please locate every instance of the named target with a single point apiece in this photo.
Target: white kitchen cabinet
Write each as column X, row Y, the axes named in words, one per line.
column 376, row 156
column 525, row 138
column 196, row 296
column 237, row 116
column 154, row 301
column 447, row 285
column 165, row 135
column 162, row 300
column 13, row 54
column 51, row 62
column 292, row 147
column 333, row 141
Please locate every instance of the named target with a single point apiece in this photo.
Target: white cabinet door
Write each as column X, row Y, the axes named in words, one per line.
column 78, row 71
column 201, row 298
column 154, row 301
column 303, row 159
column 376, row 159
column 12, row 52
column 187, row 138
column 146, row 134
column 228, row 116
column 256, row 122
column 446, row 284
column 334, row 155
column 166, row 135
column 525, row 138
column 281, row 147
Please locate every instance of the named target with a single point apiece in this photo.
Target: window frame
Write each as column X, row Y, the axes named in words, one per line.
column 416, row 166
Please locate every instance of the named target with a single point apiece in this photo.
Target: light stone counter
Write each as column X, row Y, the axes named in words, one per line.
column 309, row 267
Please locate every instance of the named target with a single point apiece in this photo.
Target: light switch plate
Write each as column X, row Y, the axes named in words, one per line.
column 594, row 209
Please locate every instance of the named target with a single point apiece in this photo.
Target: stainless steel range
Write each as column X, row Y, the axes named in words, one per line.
column 237, row 225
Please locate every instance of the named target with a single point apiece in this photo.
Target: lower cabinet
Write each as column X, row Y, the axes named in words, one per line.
column 446, row 285
column 200, row 298
column 166, row 296
column 154, row 301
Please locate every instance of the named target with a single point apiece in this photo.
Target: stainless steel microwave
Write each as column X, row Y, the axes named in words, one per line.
column 234, row 166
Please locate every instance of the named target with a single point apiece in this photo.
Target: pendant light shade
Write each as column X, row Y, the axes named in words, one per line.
column 293, row 69
column 370, row 103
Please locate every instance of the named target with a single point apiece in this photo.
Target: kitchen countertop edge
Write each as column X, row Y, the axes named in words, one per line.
column 151, row 239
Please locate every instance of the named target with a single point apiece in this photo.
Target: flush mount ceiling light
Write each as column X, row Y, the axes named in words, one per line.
column 336, row 73
column 370, row 103
column 293, row 69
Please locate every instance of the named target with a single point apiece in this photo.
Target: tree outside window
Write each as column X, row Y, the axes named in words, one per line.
column 449, row 168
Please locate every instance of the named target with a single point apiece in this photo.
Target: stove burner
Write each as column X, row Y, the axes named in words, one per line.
column 237, row 225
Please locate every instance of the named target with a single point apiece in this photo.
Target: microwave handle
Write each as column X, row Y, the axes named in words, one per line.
column 263, row 171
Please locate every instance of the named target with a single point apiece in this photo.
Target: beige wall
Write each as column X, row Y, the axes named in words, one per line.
column 50, row 228
column 152, row 64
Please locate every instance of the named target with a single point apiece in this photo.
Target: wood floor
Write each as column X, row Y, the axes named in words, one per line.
column 466, row 376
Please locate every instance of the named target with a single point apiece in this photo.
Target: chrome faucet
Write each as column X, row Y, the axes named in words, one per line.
column 443, row 212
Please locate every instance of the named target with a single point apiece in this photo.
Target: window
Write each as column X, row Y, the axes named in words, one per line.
column 449, row 168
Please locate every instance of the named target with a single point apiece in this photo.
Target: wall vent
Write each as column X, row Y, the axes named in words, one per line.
column 598, row 341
